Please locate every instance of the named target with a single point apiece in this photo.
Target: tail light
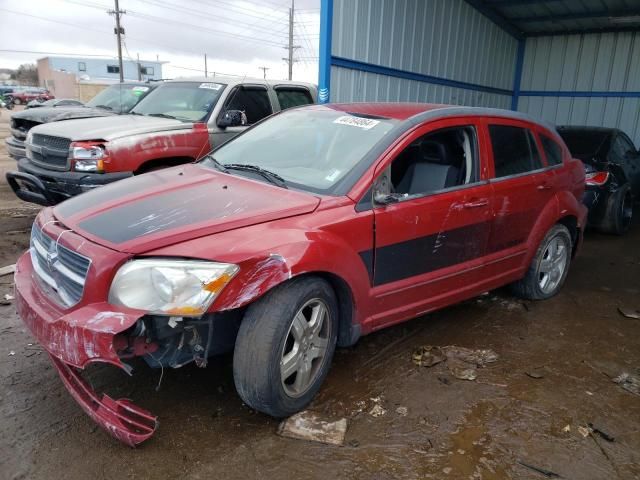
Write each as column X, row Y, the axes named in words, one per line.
column 597, row 178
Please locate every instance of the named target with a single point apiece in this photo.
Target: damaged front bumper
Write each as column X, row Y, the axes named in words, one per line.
column 49, row 187
column 76, row 339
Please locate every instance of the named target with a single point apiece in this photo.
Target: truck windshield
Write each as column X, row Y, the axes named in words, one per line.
column 188, row 101
column 311, row 149
column 119, row 98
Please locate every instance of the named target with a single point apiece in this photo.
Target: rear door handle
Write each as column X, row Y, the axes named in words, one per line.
column 476, row 203
column 544, row 186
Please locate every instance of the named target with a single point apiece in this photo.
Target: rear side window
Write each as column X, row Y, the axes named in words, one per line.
column 292, row 97
column 552, row 150
column 254, row 102
column 514, row 151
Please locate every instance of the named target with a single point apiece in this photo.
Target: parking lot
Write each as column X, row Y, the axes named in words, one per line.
column 554, row 377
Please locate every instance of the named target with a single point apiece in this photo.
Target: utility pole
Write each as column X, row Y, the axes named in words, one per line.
column 205, row 65
column 119, row 31
column 291, row 47
column 264, row 71
column 139, row 69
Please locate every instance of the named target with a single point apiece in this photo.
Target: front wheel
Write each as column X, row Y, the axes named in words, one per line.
column 549, row 267
column 285, row 345
column 17, row 101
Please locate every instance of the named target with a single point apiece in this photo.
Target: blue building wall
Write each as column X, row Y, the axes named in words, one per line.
column 97, row 67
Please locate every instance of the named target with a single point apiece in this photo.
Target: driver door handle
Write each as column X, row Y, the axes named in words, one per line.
column 481, row 202
column 544, row 186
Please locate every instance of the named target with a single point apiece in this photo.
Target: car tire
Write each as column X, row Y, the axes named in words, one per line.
column 619, row 212
column 277, row 334
column 17, row 101
column 549, row 267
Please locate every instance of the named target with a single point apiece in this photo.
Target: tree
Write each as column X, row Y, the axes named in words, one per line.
column 27, row 73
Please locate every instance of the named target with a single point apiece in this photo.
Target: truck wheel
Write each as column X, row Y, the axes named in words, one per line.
column 285, row 345
column 617, row 218
column 549, row 266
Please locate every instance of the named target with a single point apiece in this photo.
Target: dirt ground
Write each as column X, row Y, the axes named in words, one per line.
column 483, row 429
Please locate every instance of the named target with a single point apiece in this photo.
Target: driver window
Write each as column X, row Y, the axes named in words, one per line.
column 436, row 161
column 253, row 101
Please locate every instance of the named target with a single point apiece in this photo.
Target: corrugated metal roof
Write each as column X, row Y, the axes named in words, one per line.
column 531, row 17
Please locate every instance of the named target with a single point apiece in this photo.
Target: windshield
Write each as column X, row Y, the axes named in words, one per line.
column 311, row 149
column 586, row 143
column 189, row 101
column 119, row 98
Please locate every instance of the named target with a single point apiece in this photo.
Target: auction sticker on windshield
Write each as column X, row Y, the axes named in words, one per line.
column 364, row 123
column 212, row 86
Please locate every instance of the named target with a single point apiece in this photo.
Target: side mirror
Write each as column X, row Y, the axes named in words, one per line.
column 232, row 118
column 381, row 198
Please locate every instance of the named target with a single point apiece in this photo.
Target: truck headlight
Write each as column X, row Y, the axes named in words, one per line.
column 170, row 287
column 88, row 156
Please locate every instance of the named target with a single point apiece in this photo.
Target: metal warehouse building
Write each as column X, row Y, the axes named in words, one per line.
column 567, row 61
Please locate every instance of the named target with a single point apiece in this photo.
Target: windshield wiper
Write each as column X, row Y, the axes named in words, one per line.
column 105, row 107
column 269, row 175
column 162, row 115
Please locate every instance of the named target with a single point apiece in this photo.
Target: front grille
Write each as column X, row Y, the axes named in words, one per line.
column 49, row 151
column 63, row 271
column 58, row 143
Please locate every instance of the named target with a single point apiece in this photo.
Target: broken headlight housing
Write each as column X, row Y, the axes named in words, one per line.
column 170, row 287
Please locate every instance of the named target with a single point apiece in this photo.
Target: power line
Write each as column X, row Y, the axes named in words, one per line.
column 158, row 3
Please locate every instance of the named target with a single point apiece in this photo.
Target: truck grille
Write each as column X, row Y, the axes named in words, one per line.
column 49, row 151
column 62, row 270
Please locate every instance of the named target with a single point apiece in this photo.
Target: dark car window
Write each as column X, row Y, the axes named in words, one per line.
column 514, row 151
column 622, row 145
column 253, row 101
column 292, row 97
column 586, row 143
column 436, row 161
column 552, row 150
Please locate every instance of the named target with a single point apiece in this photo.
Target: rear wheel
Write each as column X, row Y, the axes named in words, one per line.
column 617, row 218
column 285, row 345
column 549, row 267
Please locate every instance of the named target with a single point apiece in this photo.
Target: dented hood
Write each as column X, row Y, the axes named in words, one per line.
column 55, row 114
column 169, row 206
column 109, row 128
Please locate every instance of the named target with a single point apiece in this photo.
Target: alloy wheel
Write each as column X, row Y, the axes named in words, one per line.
column 553, row 264
column 305, row 347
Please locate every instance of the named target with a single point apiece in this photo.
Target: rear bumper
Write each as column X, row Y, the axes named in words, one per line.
column 15, row 148
column 75, row 339
column 53, row 187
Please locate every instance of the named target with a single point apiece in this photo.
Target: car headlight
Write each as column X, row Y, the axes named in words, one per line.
column 88, row 156
column 170, row 287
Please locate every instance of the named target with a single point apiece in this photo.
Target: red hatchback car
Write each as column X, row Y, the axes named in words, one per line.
column 310, row 229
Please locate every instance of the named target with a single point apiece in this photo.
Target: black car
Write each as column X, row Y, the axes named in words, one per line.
column 612, row 166
column 114, row 100
column 54, row 102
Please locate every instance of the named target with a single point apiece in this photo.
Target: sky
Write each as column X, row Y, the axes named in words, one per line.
column 238, row 36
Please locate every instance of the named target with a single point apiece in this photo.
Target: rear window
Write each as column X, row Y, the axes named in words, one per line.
column 514, row 150
column 293, row 97
column 586, row 143
column 552, row 150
